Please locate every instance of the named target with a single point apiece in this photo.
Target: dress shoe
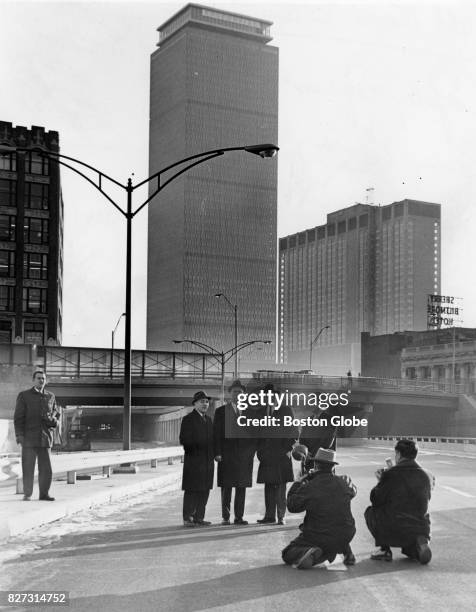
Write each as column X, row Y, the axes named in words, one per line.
column 423, row 550
column 27, row 498
column 349, row 558
column 306, row 561
column 382, row 555
column 240, row 521
column 225, row 522
column 188, row 523
column 202, row 523
column 47, row 498
column 281, row 521
column 265, row 520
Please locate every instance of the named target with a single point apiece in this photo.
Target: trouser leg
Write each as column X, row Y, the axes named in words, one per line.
column 371, row 522
column 189, row 505
column 239, row 504
column 281, row 500
column 28, row 460
column 292, row 553
column 270, row 501
column 225, row 503
column 202, row 498
column 44, row 471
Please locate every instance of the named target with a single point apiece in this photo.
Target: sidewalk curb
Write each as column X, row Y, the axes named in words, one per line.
column 22, row 522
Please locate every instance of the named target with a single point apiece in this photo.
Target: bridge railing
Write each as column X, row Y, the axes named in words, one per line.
column 366, row 383
column 78, row 362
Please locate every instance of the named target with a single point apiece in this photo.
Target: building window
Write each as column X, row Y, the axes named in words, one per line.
column 36, row 164
column 34, row 300
column 36, row 196
column 35, row 231
column 35, row 266
column 7, row 264
column 8, row 192
column 34, row 333
column 7, row 298
column 8, row 162
column 7, row 227
column 5, row 332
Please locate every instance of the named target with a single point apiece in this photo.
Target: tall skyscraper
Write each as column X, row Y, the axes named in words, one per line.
column 214, row 83
column 31, row 238
column 370, row 268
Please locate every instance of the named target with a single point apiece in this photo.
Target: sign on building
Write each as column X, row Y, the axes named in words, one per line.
column 443, row 311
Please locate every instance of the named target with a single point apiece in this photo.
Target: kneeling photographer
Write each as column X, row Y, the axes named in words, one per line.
column 328, row 526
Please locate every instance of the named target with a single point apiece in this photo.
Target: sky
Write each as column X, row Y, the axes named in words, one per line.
column 372, row 94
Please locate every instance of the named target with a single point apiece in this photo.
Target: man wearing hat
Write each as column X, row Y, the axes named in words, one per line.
column 196, row 437
column 234, row 452
column 328, row 526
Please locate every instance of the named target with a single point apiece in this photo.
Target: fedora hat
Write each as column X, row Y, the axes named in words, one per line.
column 200, row 395
column 326, row 455
column 237, row 384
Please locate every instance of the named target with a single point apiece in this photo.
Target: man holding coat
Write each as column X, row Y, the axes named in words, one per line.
column 196, row 436
column 234, row 453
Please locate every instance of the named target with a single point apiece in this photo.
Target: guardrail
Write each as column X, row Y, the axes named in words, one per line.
column 72, row 464
column 437, row 439
column 78, row 362
column 366, row 382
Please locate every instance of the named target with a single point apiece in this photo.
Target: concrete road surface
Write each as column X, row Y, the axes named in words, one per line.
column 141, row 558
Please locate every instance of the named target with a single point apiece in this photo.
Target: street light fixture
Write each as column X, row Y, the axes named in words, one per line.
column 112, row 339
column 263, row 150
column 222, row 356
column 235, row 310
column 313, row 342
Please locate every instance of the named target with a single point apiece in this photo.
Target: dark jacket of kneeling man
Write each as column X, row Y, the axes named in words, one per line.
column 400, row 504
column 328, row 524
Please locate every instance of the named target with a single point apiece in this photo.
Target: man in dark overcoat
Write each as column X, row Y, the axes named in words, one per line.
column 399, row 514
column 35, row 419
column 328, row 525
column 275, row 464
column 234, row 453
column 196, row 437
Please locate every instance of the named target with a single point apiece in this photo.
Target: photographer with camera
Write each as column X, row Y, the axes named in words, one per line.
column 328, row 526
column 399, row 514
column 36, row 418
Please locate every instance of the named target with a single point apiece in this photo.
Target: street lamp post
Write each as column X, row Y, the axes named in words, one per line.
column 312, row 342
column 222, row 357
column 263, row 150
column 235, row 310
column 112, row 339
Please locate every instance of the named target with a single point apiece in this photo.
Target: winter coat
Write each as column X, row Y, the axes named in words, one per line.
column 275, row 467
column 235, row 447
column 400, row 504
column 196, row 437
column 35, row 418
column 326, row 499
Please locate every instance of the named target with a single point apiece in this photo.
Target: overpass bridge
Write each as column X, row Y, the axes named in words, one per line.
column 162, row 380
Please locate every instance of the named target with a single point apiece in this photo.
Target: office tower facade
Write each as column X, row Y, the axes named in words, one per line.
column 214, row 84
column 368, row 269
column 31, row 238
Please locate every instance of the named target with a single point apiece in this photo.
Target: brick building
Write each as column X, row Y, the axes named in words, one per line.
column 31, row 237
